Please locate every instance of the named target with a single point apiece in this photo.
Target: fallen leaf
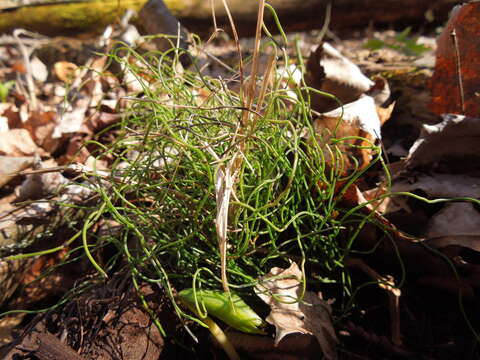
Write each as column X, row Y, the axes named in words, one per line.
column 39, row 185
column 65, row 71
column 361, row 114
column 331, row 72
column 73, row 119
column 452, row 145
column 11, row 274
column 100, row 120
column 10, row 165
column 357, row 124
column 40, row 124
column 380, row 91
column 440, row 185
column 281, row 289
column 18, row 142
column 76, row 151
column 39, row 70
column 457, row 223
column 455, row 82
column 7, row 325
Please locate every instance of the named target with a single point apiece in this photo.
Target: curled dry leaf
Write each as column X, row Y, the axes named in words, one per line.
column 72, row 120
column 281, row 289
column 357, row 123
column 65, row 71
column 355, row 115
column 361, row 114
column 451, row 144
column 331, row 72
column 380, row 91
column 20, row 226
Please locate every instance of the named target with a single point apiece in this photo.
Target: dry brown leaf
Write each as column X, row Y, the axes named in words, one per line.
column 10, row 276
column 72, row 120
column 455, row 82
column 440, row 185
column 7, row 325
column 457, row 223
column 452, row 145
column 39, row 185
column 65, row 71
column 385, row 113
column 100, row 120
column 40, row 124
column 385, row 205
column 380, row 91
column 331, row 72
column 10, row 165
column 18, row 142
column 281, row 289
column 76, row 151
column 361, row 114
column 357, row 121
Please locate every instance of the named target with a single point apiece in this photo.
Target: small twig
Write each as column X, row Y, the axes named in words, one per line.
column 453, row 34
column 28, row 68
column 215, row 27
column 253, row 75
column 239, row 50
column 76, row 168
column 266, row 80
column 11, row 40
column 387, row 283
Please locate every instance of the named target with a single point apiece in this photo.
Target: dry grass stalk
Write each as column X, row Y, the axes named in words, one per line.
column 226, row 175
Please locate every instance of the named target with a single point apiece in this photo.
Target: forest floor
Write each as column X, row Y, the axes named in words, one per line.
column 406, row 199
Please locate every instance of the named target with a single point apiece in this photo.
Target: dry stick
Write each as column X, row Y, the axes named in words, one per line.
column 453, row 34
column 237, row 43
column 224, row 180
column 223, row 189
column 216, row 29
column 266, row 81
column 225, row 176
column 28, row 68
column 387, row 283
column 212, row 5
column 256, row 50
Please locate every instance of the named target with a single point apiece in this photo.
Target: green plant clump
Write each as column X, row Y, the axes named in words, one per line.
column 186, row 143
